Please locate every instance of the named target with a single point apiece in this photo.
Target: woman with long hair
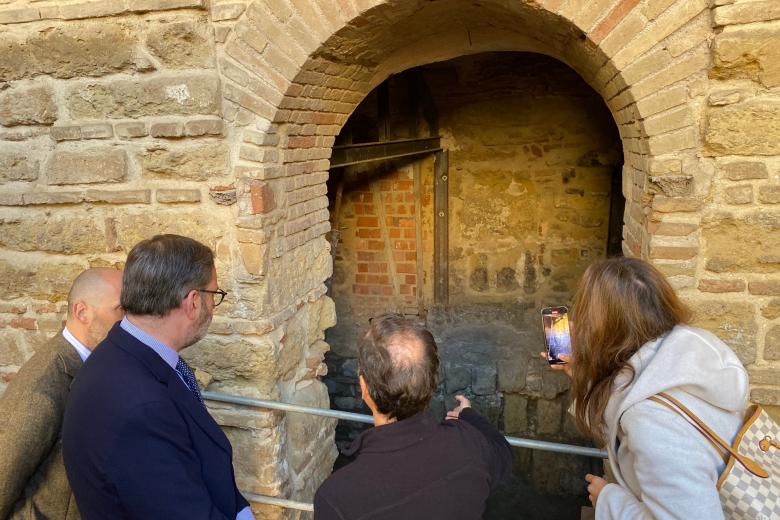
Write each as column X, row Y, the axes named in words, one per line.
column 630, row 341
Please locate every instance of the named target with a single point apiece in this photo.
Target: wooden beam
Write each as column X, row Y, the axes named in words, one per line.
column 348, row 155
column 441, row 287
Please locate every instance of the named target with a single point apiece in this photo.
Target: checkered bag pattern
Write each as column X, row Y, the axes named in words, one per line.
column 749, row 486
column 745, row 496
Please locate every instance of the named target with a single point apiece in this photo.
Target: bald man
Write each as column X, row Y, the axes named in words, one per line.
column 33, row 483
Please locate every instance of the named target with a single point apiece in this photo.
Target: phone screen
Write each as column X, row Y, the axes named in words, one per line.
column 556, row 333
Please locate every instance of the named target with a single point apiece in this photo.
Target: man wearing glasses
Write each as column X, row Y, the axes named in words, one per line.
column 138, row 442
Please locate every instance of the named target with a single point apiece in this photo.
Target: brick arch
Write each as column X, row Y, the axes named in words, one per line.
column 309, row 63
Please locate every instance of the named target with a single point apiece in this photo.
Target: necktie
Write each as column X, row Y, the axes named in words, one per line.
column 188, row 376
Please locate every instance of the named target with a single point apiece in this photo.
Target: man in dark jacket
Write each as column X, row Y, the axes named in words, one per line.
column 409, row 466
column 138, row 442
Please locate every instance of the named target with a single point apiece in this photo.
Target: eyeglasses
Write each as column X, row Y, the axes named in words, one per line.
column 214, row 294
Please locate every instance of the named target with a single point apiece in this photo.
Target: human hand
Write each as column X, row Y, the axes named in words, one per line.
column 595, row 485
column 565, row 367
column 455, row 412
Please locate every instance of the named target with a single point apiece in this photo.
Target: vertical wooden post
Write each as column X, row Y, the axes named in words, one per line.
column 441, row 287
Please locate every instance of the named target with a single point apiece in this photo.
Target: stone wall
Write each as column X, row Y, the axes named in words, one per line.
column 120, row 118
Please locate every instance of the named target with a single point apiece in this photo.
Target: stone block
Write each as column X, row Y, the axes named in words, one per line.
column 764, row 376
column 744, row 170
column 66, row 133
column 484, row 380
column 17, row 166
column 733, row 322
column 745, row 243
column 55, row 234
column 671, row 229
column 515, row 414
column 750, row 54
column 118, row 196
column 130, row 130
column 746, row 12
column 132, row 228
column 772, row 344
column 724, row 97
column 771, row 310
column 167, row 130
column 665, row 204
column 85, row 49
column 200, row 163
column 223, row 12
column 178, row 95
column 769, row 194
column 303, row 429
column 43, row 281
column 765, row 287
column 243, row 360
column 765, row 396
column 56, row 197
column 721, row 286
column 182, row 45
column 175, row 196
column 90, row 166
column 673, row 185
column 201, row 127
column 162, row 5
column 83, row 10
column 548, row 416
column 512, row 373
column 738, row 194
column 27, row 106
column 457, row 378
column 748, row 128
column 97, row 131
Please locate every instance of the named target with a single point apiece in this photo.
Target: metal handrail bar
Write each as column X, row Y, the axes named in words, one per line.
column 281, row 502
column 357, row 417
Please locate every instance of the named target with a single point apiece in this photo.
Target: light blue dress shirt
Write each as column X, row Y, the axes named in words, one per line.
column 83, row 351
column 171, row 358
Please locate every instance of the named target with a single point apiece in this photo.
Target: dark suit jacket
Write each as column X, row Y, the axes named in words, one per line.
column 418, row 469
column 139, row 445
column 33, row 484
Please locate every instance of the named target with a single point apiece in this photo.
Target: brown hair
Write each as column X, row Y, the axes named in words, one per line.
column 399, row 361
column 621, row 304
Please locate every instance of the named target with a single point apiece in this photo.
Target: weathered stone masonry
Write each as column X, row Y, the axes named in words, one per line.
column 121, row 118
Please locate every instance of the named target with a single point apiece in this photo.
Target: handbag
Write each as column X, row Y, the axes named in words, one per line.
column 749, row 486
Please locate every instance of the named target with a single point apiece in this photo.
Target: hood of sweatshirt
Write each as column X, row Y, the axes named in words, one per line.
column 686, row 359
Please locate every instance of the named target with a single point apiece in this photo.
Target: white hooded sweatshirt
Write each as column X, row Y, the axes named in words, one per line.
column 664, row 468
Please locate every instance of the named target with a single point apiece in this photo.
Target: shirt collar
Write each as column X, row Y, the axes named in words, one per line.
column 170, row 356
column 82, row 350
column 394, row 436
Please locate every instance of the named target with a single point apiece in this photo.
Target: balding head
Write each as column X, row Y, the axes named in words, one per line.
column 93, row 304
column 399, row 362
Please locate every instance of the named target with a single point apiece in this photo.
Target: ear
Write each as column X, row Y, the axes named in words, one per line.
column 191, row 304
column 364, row 390
column 80, row 311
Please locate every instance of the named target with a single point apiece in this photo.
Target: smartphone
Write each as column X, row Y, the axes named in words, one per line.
column 556, row 333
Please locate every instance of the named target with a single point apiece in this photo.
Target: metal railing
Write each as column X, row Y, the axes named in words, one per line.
column 357, row 417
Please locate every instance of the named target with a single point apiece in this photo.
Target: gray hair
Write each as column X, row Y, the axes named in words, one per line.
column 160, row 271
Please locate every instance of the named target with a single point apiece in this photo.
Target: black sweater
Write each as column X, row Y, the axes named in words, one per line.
column 418, row 469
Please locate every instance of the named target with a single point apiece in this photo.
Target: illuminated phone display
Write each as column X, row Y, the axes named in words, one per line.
column 557, row 338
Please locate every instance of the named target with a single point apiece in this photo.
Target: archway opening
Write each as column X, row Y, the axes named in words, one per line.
column 534, row 195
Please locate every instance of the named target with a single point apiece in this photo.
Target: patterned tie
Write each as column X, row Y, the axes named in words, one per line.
column 188, row 376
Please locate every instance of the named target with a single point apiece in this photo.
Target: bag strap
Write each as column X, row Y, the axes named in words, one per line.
column 680, row 409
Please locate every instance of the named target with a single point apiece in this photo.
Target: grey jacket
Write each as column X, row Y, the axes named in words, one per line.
column 33, row 483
